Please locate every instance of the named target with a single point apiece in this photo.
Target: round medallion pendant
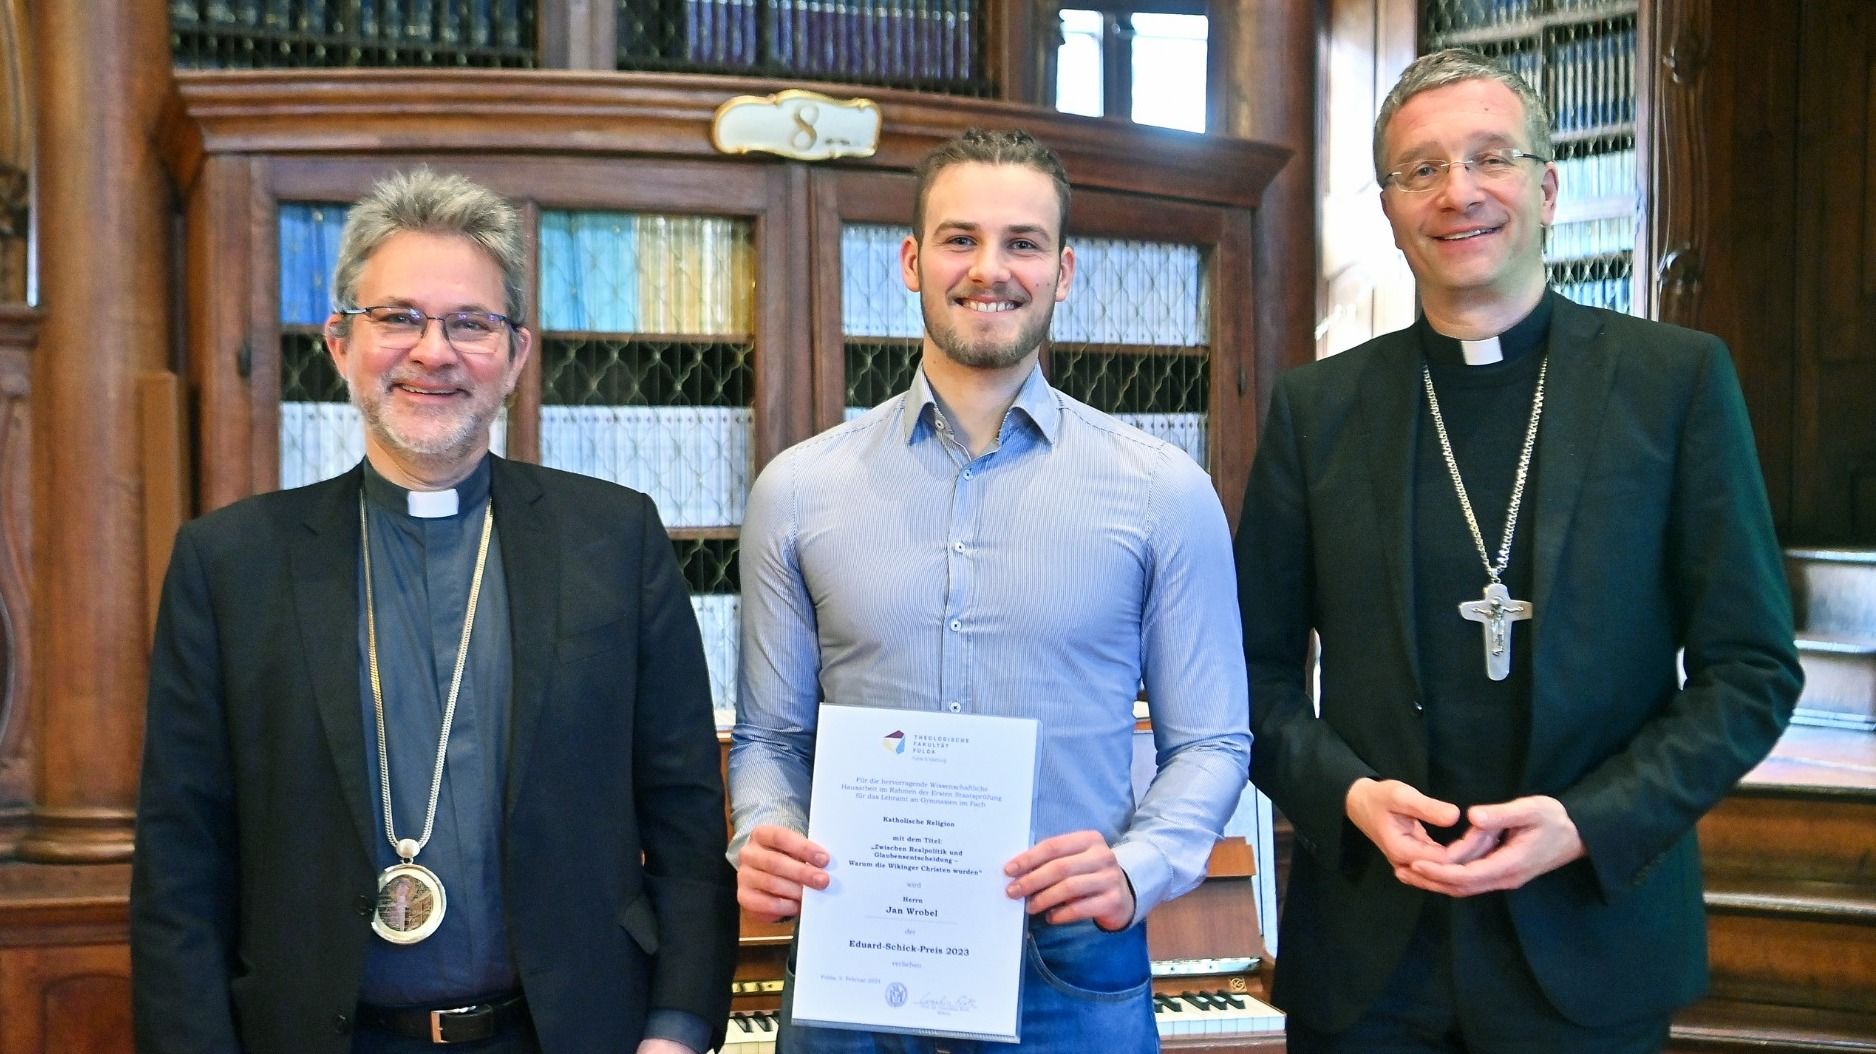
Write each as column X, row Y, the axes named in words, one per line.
column 410, row 904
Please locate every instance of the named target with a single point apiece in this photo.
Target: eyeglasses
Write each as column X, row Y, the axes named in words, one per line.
column 470, row 332
column 1487, row 166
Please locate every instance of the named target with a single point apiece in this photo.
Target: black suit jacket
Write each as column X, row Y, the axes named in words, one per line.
column 253, row 880
column 1650, row 534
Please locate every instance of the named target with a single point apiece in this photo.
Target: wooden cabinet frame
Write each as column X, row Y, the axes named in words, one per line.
column 238, row 143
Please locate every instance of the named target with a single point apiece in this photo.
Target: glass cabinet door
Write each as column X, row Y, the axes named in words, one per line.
column 646, row 354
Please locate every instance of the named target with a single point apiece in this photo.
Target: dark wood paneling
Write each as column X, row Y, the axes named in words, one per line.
column 1834, row 443
column 1721, row 178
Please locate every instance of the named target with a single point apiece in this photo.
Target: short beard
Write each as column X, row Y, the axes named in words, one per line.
column 448, row 446
column 986, row 355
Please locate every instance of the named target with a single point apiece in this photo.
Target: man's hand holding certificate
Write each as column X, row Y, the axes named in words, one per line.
column 910, row 923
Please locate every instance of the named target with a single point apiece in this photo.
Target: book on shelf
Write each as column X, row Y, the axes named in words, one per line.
column 693, row 461
column 874, row 301
column 1135, row 292
column 718, row 621
column 616, row 272
column 308, row 252
column 893, row 40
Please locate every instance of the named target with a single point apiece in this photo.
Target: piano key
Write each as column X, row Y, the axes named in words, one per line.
column 1213, row 1013
column 751, row 1032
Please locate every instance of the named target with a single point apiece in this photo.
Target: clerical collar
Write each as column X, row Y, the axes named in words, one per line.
column 1529, row 334
column 429, row 504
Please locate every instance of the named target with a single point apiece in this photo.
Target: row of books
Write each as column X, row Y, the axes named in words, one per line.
column 614, row 272
column 1594, row 176
column 1135, row 292
column 1125, row 292
column 1586, row 238
column 1590, row 82
column 693, row 460
column 622, row 272
column 890, row 40
column 309, row 250
column 719, row 620
column 474, row 23
column 1613, row 292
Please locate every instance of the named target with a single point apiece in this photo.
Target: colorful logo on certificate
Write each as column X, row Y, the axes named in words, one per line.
column 894, row 742
column 895, row 994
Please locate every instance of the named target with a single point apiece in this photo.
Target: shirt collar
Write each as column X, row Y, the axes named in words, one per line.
column 1035, row 400
column 468, row 495
column 1528, row 334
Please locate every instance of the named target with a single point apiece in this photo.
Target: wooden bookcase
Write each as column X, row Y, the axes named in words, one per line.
column 614, row 151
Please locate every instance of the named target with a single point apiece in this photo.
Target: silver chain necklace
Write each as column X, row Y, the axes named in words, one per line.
column 410, row 896
column 1495, row 609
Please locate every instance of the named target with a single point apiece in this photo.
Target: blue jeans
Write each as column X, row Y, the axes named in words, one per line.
column 1083, row 990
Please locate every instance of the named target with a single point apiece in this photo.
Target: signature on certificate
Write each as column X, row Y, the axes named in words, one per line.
column 949, row 1004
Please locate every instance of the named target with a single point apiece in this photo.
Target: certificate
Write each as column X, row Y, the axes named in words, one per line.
column 918, row 813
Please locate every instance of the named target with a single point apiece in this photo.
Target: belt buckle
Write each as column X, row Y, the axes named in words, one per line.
column 439, row 1018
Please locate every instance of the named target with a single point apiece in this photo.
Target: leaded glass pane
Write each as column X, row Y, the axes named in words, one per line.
column 1133, row 338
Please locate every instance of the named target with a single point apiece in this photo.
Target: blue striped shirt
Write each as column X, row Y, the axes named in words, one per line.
column 1050, row 577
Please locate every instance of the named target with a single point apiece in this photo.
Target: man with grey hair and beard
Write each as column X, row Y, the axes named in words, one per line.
column 429, row 754
column 1532, row 545
column 984, row 544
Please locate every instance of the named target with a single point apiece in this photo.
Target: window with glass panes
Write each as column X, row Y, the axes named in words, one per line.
column 1144, row 59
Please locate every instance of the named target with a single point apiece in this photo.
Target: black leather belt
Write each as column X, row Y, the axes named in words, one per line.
column 459, row 1024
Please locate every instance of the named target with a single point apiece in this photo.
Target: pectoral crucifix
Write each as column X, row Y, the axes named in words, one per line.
column 1495, row 613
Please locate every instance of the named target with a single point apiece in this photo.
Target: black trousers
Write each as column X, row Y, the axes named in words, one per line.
column 1463, row 988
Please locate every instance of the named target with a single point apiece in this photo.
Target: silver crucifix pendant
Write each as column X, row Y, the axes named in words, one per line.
column 1495, row 613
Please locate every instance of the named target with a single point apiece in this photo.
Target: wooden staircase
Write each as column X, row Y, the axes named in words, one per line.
column 1791, row 853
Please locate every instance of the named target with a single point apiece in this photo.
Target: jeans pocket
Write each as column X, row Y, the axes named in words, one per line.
column 1091, row 964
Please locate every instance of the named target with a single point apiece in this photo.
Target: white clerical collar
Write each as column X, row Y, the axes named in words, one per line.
column 1482, row 352
column 431, row 504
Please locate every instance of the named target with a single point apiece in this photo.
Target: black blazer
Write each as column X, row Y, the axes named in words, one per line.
column 1650, row 533
column 253, row 880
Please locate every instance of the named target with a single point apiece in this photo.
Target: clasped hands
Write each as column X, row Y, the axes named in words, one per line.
column 1070, row 876
column 1506, row 845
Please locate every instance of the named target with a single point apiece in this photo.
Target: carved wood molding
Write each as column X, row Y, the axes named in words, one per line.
column 19, row 330
column 1683, row 32
column 483, row 112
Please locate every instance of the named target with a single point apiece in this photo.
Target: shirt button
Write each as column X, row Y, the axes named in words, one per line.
column 957, row 547
column 955, row 707
column 967, row 473
column 956, row 625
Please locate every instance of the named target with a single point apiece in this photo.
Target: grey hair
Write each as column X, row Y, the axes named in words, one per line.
column 1451, row 66
column 431, row 203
